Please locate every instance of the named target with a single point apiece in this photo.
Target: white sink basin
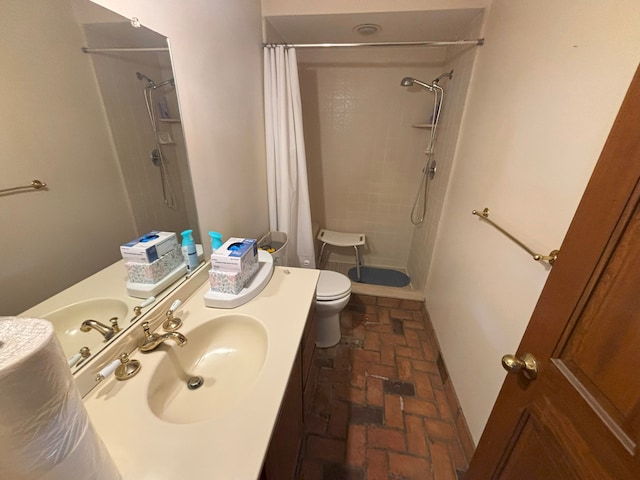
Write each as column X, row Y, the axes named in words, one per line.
column 227, row 352
column 67, row 320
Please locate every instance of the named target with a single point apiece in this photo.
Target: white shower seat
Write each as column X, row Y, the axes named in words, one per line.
column 340, row 239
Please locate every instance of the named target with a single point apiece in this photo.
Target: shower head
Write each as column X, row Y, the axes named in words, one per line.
column 142, row 76
column 152, row 84
column 408, row 81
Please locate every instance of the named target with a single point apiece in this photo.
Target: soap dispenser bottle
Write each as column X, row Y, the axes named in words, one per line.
column 216, row 240
column 189, row 250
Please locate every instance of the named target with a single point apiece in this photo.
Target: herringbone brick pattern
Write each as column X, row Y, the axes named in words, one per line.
column 379, row 410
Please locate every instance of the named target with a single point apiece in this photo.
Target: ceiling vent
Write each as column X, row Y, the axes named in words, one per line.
column 367, row 29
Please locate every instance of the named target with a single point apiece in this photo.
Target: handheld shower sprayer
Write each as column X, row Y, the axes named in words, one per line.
column 408, row 81
column 142, row 76
column 152, row 84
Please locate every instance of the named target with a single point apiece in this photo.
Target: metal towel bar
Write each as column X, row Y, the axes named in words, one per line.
column 35, row 184
column 551, row 258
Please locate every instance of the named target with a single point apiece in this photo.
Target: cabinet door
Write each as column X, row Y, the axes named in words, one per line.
column 308, row 346
column 282, row 457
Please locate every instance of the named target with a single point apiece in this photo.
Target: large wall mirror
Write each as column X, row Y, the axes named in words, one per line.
column 101, row 126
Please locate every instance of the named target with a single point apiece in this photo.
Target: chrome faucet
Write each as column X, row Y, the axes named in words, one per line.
column 150, row 341
column 104, row 330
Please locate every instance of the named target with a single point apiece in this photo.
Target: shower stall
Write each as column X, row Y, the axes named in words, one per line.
column 372, row 147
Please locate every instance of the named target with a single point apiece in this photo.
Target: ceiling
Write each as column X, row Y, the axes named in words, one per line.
column 435, row 25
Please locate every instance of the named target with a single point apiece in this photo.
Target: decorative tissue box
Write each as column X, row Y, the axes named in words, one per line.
column 236, row 255
column 155, row 271
column 231, row 282
column 150, row 247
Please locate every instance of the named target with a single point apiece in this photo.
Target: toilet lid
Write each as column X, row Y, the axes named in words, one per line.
column 332, row 285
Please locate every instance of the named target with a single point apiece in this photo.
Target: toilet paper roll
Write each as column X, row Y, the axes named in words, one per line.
column 44, row 427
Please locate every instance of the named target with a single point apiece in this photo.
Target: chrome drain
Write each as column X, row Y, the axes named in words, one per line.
column 195, row 383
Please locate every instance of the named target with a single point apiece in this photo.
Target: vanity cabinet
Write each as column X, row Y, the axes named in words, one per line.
column 309, row 370
column 284, row 448
column 308, row 347
column 258, row 430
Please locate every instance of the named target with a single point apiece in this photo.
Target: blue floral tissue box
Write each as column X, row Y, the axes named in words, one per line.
column 231, row 282
column 153, row 272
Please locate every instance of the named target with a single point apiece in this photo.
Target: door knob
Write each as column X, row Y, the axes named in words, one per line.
column 526, row 364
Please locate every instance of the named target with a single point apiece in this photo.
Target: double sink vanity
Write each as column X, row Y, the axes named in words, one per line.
column 211, row 406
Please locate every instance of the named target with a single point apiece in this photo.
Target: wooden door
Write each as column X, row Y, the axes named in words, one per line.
column 580, row 418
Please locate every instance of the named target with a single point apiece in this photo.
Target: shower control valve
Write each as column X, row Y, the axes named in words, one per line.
column 431, row 169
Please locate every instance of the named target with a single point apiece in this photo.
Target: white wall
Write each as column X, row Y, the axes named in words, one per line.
column 545, row 90
column 217, row 59
column 53, row 128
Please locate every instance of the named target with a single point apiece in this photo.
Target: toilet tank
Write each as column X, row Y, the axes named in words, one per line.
column 278, row 241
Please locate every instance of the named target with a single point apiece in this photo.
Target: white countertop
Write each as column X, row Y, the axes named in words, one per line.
column 226, row 447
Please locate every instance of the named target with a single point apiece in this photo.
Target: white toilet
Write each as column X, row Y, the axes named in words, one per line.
column 332, row 295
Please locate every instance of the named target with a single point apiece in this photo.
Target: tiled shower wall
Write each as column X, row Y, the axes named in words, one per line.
column 364, row 158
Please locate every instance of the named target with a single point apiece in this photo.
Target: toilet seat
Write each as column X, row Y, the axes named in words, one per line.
column 332, row 286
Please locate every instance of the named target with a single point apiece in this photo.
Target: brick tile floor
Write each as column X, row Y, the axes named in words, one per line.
column 379, row 410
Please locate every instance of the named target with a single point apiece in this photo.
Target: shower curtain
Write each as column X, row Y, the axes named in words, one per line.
column 289, row 209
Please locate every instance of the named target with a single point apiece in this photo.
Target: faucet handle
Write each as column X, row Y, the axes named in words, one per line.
column 171, row 324
column 127, row 368
column 137, row 310
column 107, row 370
column 79, row 358
column 123, row 367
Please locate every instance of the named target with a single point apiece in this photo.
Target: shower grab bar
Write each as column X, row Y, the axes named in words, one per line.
column 35, row 184
column 551, row 258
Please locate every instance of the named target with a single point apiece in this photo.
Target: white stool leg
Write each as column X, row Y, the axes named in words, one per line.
column 324, row 244
column 357, row 262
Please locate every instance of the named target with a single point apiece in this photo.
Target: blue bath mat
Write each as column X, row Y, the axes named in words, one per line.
column 380, row 276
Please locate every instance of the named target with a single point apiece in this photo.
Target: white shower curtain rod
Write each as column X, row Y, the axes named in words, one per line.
column 125, row 49
column 478, row 41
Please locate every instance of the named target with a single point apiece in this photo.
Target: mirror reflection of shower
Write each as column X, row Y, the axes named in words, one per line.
column 157, row 157
column 429, row 170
